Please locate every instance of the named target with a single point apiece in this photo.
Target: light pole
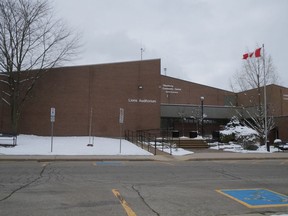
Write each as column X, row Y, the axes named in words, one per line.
column 202, row 115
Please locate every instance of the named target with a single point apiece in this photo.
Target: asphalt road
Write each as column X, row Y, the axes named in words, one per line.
column 144, row 188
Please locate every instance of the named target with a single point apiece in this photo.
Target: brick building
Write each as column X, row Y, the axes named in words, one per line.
column 149, row 99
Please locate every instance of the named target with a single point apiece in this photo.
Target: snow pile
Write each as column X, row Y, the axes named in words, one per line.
column 277, row 141
column 175, row 151
column 234, row 147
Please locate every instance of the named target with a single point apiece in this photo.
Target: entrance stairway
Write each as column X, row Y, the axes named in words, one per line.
column 187, row 143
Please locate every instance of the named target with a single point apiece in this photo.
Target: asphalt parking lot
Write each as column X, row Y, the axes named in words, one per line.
column 146, row 187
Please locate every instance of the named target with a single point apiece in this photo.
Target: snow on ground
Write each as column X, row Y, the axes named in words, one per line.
column 177, row 151
column 240, row 133
column 232, row 147
column 37, row 145
column 280, row 215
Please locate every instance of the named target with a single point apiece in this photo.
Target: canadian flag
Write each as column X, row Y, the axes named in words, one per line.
column 256, row 54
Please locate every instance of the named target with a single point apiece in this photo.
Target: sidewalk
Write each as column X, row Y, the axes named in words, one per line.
column 234, row 156
column 197, row 156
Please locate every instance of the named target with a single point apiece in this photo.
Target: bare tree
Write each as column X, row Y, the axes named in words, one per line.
column 255, row 119
column 32, row 41
column 252, row 76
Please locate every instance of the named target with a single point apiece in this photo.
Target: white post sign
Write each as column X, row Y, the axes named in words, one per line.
column 121, row 116
column 52, row 115
column 52, row 119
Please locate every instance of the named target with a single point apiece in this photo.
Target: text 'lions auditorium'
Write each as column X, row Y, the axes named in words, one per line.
column 92, row 95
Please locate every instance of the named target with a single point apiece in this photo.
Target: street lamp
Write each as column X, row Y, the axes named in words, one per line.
column 202, row 115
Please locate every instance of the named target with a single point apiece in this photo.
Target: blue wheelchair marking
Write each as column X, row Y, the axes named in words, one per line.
column 254, row 198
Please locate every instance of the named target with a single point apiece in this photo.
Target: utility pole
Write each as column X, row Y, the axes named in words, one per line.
column 202, row 116
column 265, row 103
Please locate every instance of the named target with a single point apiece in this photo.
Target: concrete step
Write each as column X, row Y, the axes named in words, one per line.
column 191, row 143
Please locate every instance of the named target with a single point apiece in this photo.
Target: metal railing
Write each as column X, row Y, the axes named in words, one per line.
column 153, row 140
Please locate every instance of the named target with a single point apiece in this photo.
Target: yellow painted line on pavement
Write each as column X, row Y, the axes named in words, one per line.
column 43, row 164
column 264, row 201
column 124, row 204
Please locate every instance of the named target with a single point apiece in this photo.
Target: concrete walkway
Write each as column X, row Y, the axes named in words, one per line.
column 233, row 156
column 197, row 156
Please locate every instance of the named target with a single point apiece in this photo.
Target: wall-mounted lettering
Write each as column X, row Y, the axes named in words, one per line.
column 170, row 89
column 134, row 100
column 131, row 100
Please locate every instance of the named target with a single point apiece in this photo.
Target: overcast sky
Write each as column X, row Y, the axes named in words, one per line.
column 197, row 40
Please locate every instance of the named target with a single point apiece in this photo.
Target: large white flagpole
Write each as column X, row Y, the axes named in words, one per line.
column 265, row 103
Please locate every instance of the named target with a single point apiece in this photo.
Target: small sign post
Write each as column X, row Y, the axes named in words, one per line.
column 52, row 119
column 121, row 122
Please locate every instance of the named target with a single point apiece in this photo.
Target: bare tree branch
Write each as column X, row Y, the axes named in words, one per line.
column 251, row 75
column 31, row 43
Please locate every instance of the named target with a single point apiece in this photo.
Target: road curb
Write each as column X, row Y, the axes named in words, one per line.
column 191, row 157
column 222, row 159
column 75, row 158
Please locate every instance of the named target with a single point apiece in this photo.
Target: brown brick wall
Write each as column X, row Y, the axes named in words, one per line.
column 282, row 128
column 138, row 87
column 277, row 99
column 175, row 91
column 105, row 88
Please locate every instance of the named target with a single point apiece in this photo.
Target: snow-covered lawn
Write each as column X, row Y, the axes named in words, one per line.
column 233, row 147
column 39, row 145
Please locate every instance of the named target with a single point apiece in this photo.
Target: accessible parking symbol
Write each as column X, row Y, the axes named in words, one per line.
column 256, row 198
